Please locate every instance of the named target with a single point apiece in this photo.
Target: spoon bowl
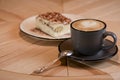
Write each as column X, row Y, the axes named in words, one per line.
column 66, row 53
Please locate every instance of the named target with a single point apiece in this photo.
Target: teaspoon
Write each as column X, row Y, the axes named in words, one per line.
column 62, row 54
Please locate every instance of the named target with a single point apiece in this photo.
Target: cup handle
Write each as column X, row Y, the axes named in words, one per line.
column 108, row 33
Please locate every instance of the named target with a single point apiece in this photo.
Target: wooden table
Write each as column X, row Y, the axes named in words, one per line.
column 20, row 54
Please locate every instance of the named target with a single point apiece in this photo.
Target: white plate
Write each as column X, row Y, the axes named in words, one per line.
column 28, row 26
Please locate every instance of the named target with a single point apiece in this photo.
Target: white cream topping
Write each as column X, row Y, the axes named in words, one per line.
column 87, row 24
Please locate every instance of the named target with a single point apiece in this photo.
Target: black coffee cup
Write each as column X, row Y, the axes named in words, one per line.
column 89, row 42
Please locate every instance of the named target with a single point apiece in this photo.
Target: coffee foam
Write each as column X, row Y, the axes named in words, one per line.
column 88, row 25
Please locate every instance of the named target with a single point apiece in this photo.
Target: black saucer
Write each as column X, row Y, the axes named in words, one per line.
column 101, row 55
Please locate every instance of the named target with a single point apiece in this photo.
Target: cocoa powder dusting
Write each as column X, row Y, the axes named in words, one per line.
column 55, row 17
column 38, row 31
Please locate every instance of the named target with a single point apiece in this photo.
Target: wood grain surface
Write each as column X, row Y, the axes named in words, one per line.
column 20, row 54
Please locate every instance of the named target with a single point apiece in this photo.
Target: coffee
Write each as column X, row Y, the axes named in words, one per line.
column 88, row 36
column 88, row 25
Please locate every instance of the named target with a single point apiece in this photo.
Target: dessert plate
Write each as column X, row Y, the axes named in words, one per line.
column 28, row 26
column 100, row 55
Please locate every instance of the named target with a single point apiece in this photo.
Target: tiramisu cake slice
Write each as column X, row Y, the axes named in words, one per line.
column 53, row 23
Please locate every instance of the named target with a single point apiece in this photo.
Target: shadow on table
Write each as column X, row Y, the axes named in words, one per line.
column 38, row 41
column 95, row 67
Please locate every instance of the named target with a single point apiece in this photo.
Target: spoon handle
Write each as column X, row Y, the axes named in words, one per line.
column 47, row 66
